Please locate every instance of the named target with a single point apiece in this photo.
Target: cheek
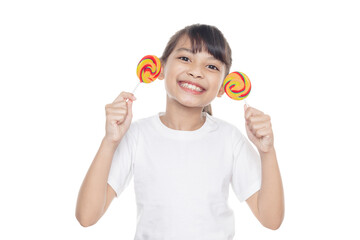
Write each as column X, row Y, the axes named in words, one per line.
column 168, row 70
column 219, row 81
column 175, row 72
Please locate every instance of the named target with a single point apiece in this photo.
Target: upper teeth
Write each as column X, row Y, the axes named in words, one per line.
column 190, row 86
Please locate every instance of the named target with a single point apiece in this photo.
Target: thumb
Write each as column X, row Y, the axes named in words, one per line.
column 129, row 105
column 129, row 113
column 246, row 114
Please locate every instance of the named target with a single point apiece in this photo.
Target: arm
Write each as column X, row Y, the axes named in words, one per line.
column 268, row 203
column 95, row 194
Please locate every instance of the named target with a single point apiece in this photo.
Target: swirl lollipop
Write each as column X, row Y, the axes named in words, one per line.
column 237, row 86
column 148, row 69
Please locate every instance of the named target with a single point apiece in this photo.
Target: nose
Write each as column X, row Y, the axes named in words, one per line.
column 195, row 71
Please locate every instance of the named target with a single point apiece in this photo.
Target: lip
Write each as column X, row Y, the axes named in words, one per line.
column 192, row 83
column 190, row 90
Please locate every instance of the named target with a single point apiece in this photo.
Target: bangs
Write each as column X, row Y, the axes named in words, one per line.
column 202, row 38
column 205, row 39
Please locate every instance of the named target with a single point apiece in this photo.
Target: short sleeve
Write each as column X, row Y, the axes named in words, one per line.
column 122, row 165
column 246, row 178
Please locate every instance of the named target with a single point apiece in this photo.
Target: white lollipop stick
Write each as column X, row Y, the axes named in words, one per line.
column 135, row 87
column 150, row 64
column 134, row 90
column 246, row 103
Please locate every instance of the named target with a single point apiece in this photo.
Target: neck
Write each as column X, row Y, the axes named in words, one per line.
column 180, row 117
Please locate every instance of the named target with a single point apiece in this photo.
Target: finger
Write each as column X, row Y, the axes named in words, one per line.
column 116, row 118
column 257, row 126
column 116, row 112
column 250, row 111
column 120, row 108
column 129, row 113
column 121, row 104
column 258, row 118
column 263, row 132
column 129, row 107
column 124, row 95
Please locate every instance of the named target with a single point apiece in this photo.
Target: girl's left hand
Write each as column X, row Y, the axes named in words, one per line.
column 258, row 129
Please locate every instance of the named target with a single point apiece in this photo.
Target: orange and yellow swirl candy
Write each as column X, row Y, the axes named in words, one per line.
column 148, row 69
column 237, row 85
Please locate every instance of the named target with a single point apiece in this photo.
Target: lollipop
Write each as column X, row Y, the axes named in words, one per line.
column 148, row 70
column 237, row 85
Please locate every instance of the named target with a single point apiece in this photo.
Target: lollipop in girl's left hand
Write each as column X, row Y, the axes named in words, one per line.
column 148, row 69
column 237, row 86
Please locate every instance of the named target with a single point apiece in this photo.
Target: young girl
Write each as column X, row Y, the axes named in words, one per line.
column 184, row 159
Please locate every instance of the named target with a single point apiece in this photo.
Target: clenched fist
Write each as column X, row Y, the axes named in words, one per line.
column 118, row 117
column 259, row 129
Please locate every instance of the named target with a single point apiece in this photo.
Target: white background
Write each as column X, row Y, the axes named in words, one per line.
column 61, row 62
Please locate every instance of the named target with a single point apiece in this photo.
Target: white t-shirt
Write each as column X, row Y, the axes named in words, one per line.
column 181, row 178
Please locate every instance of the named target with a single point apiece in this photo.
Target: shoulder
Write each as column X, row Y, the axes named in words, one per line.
column 225, row 125
column 228, row 129
column 140, row 124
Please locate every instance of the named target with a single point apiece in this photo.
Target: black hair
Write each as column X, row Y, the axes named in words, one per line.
column 202, row 37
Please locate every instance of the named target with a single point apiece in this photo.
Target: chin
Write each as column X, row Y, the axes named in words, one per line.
column 186, row 100
column 191, row 104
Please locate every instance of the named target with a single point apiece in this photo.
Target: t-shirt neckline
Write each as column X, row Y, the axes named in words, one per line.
column 173, row 132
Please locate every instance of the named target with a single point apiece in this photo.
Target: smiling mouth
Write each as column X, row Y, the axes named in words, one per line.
column 188, row 87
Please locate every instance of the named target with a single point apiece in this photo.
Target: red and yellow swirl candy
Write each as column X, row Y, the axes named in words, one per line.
column 148, row 69
column 237, row 85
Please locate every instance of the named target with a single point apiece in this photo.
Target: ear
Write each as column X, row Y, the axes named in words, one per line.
column 161, row 76
column 221, row 91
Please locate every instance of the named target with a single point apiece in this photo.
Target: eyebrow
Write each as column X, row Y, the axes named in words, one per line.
column 190, row 51
column 184, row 49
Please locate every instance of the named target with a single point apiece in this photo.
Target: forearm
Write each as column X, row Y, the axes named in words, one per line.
column 92, row 194
column 271, row 195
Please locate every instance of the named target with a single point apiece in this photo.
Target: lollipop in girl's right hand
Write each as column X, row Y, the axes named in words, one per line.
column 148, row 69
column 237, row 85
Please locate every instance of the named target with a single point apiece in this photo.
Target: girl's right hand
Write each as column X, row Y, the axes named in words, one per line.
column 118, row 117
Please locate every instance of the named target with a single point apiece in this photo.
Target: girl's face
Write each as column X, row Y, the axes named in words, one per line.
column 194, row 70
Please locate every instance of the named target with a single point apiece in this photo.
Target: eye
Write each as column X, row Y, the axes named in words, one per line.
column 186, row 59
column 213, row 67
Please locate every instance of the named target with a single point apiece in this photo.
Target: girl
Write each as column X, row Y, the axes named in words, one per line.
column 184, row 159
